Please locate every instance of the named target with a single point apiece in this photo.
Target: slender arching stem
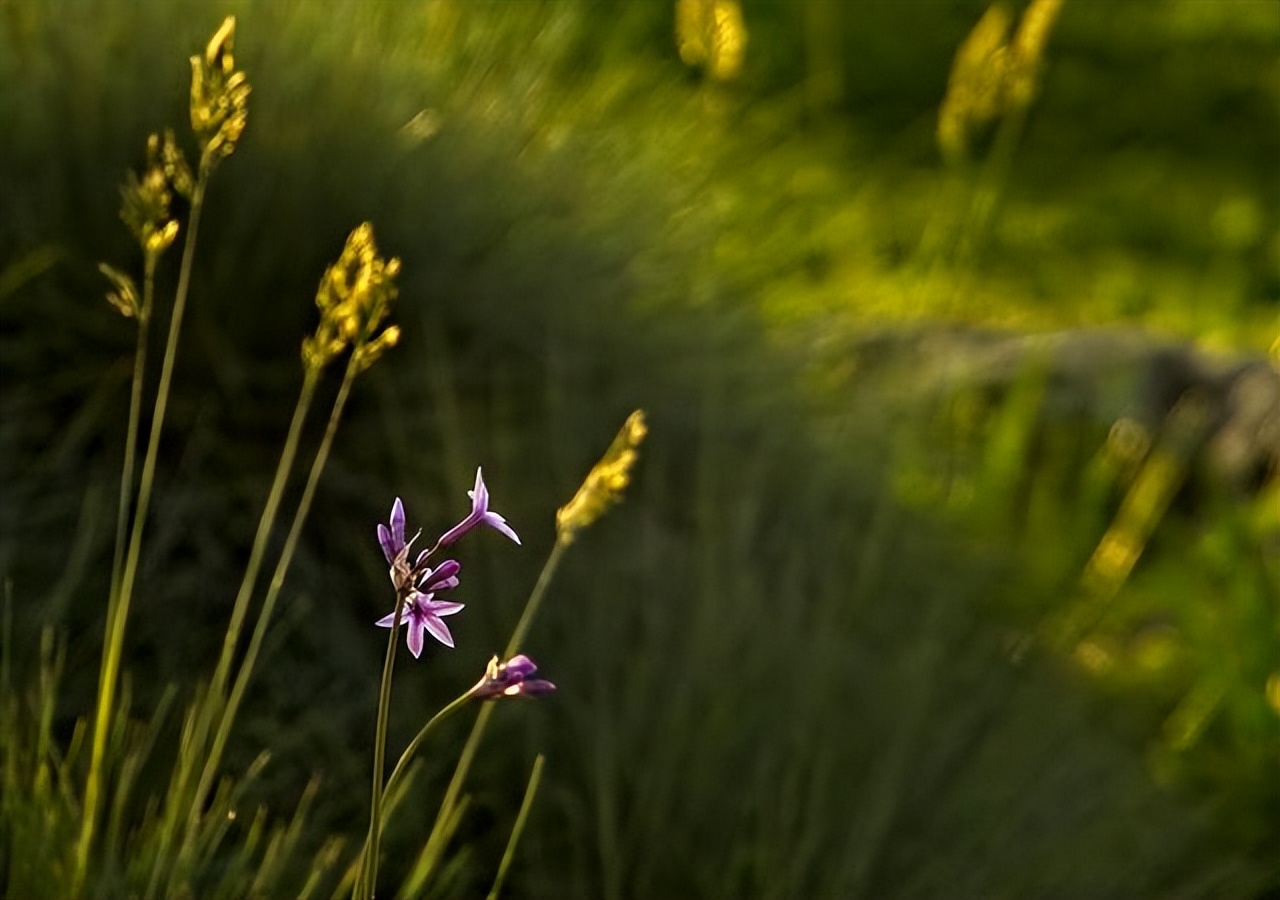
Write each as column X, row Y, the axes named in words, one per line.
column 243, row 674
column 440, row 831
column 135, row 413
column 118, row 605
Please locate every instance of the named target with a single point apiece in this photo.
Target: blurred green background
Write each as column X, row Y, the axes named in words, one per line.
column 829, row 645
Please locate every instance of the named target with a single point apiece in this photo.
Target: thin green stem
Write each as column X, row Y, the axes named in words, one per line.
column 440, row 832
column 267, row 521
column 118, row 606
column 535, row 778
column 367, row 881
column 402, row 765
column 135, row 413
column 214, row 758
column 213, row 707
column 988, row 189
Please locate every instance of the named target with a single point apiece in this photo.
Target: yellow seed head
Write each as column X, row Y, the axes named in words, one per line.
column 1027, row 56
column 125, row 296
column 994, row 75
column 713, row 35
column 354, row 297
column 219, row 97
column 144, row 205
column 605, row 482
column 975, row 87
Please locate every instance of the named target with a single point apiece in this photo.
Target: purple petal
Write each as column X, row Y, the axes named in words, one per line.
column 388, row 548
column 520, row 665
column 414, row 636
column 495, row 521
column 438, row 630
column 447, row 569
column 479, row 494
column 397, row 522
column 534, row 687
column 444, row 607
column 388, row 620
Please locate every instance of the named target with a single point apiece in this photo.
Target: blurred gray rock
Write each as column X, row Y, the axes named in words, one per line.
column 1091, row 379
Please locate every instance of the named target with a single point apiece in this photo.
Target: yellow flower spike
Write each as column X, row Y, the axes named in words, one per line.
column 975, row 87
column 354, row 297
column 993, row 74
column 219, row 97
column 144, row 206
column 1028, row 52
column 711, row 34
column 125, row 296
column 605, row 482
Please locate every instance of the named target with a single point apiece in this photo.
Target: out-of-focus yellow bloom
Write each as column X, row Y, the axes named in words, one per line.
column 1094, row 657
column 712, row 34
column 175, row 165
column 1273, row 691
column 219, row 97
column 994, row 75
column 1197, row 709
column 1162, row 473
column 975, row 86
column 354, row 297
column 605, row 482
column 1027, row 52
column 144, row 206
column 1141, row 510
column 125, row 296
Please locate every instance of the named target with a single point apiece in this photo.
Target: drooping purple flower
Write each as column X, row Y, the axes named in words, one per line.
column 479, row 515
column 421, row 613
column 510, row 679
column 443, row 577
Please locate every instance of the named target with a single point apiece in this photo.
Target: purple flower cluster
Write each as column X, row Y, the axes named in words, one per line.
column 418, row 583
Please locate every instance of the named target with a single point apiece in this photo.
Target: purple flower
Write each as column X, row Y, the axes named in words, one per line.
column 392, row 538
column 479, row 515
column 510, row 679
column 417, row 583
column 422, row 612
column 443, row 577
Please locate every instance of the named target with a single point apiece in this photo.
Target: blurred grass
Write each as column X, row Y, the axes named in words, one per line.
column 778, row 678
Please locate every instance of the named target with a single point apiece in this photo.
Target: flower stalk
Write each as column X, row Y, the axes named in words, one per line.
column 601, row 489
column 368, row 879
column 530, row 791
column 363, row 309
column 145, row 212
column 416, row 584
